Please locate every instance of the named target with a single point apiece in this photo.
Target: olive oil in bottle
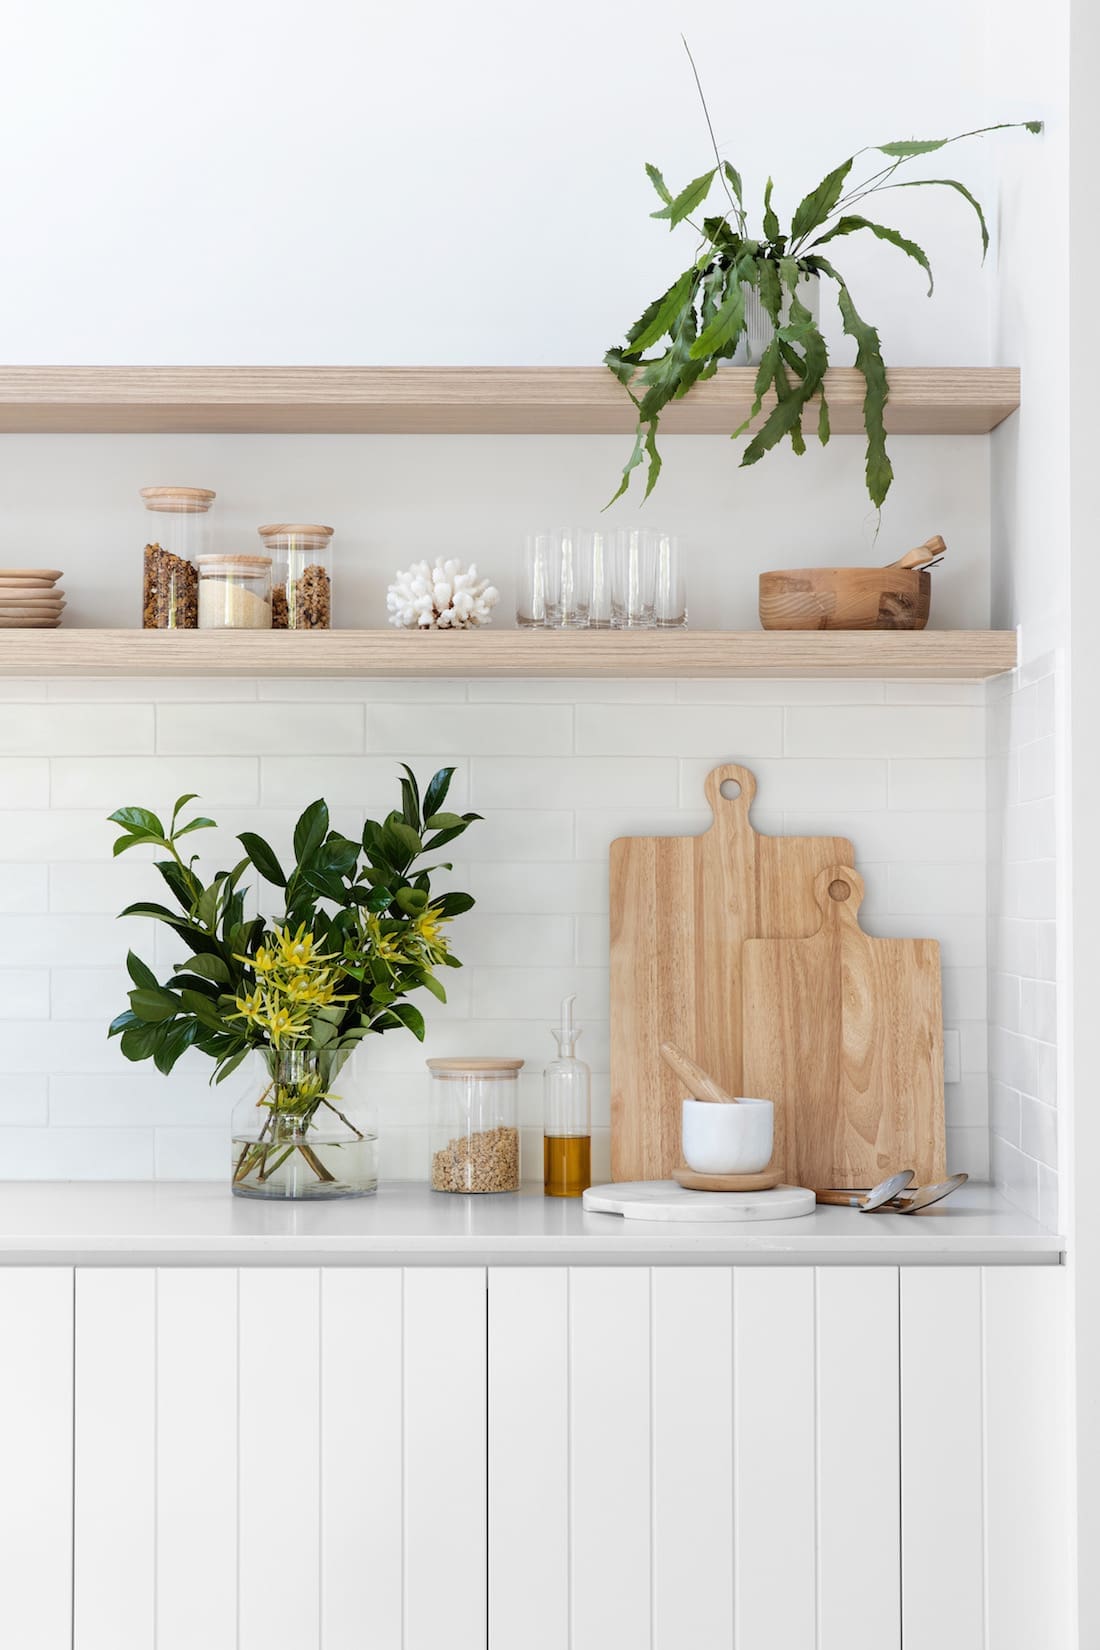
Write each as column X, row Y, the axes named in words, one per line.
column 567, row 1136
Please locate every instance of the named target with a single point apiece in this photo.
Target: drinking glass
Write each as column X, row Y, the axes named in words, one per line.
column 670, row 599
column 633, row 579
column 540, row 582
column 574, row 550
column 599, row 547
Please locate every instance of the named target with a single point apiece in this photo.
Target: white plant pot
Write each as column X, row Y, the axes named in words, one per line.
column 727, row 1139
column 759, row 331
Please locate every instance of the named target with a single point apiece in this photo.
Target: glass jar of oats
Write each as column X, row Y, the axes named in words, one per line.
column 175, row 539
column 474, row 1129
column 301, row 579
column 235, row 593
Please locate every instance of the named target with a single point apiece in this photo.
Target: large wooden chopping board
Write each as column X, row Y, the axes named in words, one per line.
column 845, row 1034
column 681, row 909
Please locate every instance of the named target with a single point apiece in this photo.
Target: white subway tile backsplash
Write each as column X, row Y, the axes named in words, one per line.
column 411, row 690
column 77, row 729
column 895, row 837
column 192, row 1154
column 916, row 888
column 968, row 1152
column 602, row 690
column 588, row 782
column 24, row 888
column 574, row 886
column 151, row 690
column 1039, row 1131
column 76, row 1154
column 508, row 940
column 885, row 730
column 368, row 784
column 24, row 782
column 1016, row 1174
column 955, row 784
column 24, row 994
column 24, row 1103
column 110, row 782
column 258, row 729
column 718, row 733
column 799, row 783
column 529, row 993
column 476, row 730
column 778, row 691
column 72, row 834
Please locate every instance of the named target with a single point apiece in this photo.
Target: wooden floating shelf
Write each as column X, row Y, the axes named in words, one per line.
column 460, row 400
column 922, row 655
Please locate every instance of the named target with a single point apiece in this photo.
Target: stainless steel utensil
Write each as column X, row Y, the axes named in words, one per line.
column 877, row 1198
column 920, row 1197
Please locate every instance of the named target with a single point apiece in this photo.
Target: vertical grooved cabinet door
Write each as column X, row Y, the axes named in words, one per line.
column 858, row 1475
column 774, row 1437
column 445, row 1459
column 36, row 1477
column 1027, row 1490
column 279, row 1452
column 114, row 1523
column 528, row 1458
column 692, row 1337
column 361, row 1432
column 943, row 1561
column 610, row 1535
column 196, row 1458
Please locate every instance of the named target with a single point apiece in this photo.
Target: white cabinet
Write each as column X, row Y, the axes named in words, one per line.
column 831, row 1458
column 279, row 1459
column 763, row 1457
column 36, row 1460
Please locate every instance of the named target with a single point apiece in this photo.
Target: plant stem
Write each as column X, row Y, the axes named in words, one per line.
column 738, row 211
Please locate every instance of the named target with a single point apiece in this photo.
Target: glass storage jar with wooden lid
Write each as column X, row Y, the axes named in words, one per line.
column 474, row 1130
column 301, row 578
column 174, row 544
column 235, row 593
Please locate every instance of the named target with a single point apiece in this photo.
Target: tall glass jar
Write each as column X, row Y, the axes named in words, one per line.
column 306, row 1134
column 176, row 539
column 474, row 1128
column 235, row 593
column 301, row 579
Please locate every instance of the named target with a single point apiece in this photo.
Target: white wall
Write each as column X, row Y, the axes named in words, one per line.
column 259, row 181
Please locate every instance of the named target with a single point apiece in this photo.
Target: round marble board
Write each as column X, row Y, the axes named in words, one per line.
column 664, row 1200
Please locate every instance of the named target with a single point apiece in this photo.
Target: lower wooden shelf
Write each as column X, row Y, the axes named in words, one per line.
column 928, row 655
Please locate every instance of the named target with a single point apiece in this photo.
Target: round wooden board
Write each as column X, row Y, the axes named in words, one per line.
column 695, row 1182
column 48, row 575
column 664, row 1200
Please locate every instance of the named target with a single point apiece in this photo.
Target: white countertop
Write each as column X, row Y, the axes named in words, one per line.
column 165, row 1221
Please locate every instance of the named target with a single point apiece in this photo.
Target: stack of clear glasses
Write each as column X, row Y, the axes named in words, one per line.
column 595, row 578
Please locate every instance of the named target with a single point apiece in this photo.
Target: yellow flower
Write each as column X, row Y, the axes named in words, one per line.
column 428, row 927
column 385, row 946
column 263, row 962
column 252, row 1006
column 280, row 1024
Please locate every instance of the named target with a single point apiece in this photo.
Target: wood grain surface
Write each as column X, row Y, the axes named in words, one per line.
column 844, row 1033
column 681, row 909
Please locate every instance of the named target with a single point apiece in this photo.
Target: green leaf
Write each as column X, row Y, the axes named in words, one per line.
column 172, row 1043
column 869, row 362
column 654, row 457
column 733, row 178
column 263, row 858
column 184, row 884
column 209, row 967
column 771, row 222
column 410, row 798
column 453, row 905
column 443, row 822
column 658, row 183
column 960, row 188
column 124, row 842
column 139, row 1042
column 122, row 1022
column 765, row 374
column 407, row 837
column 662, row 313
column 153, row 1005
column 728, row 323
column 851, row 222
column 206, row 906
column 201, row 823
column 139, row 820
column 430, row 983
column 912, row 146
column 687, row 200
column 181, row 802
column 411, row 900
column 311, row 830
column 411, row 1017
column 815, row 207
column 227, row 1067
column 203, row 1010
column 771, row 291
column 141, row 975
column 436, row 793
column 636, row 456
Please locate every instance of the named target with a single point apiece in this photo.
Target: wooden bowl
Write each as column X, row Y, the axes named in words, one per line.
column 845, row 598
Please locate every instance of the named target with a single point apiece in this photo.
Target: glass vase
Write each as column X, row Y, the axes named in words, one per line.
column 300, row 1138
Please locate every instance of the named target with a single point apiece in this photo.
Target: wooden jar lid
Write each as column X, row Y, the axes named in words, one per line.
column 244, row 567
column 297, row 530
column 181, row 500
column 474, row 1065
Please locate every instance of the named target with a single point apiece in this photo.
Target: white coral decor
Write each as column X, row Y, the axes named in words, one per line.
column 445, row 596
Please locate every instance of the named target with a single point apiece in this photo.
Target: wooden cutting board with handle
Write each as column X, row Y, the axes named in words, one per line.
column 681, row 909
column 844, row 1033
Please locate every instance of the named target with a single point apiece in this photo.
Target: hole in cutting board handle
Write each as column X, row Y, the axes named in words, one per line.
column 730, row 789
column 840, row 890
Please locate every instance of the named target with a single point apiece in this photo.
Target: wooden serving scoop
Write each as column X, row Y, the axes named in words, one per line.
column 932, row 550
column 701, row 1085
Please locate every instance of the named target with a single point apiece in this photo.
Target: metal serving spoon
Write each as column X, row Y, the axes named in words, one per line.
column 877, row 1198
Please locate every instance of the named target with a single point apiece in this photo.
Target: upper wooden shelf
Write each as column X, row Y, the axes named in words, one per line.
column 922, row 655
column 460, row 400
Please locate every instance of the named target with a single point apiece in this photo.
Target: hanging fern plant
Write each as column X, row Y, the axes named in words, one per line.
column 701, row 319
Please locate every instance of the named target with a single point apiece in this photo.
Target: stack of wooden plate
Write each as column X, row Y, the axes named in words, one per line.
column 30, row 598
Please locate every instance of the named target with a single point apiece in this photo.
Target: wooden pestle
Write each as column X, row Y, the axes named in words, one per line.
column 700, row 1083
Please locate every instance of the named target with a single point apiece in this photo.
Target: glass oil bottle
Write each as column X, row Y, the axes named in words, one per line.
column 567, row 1131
